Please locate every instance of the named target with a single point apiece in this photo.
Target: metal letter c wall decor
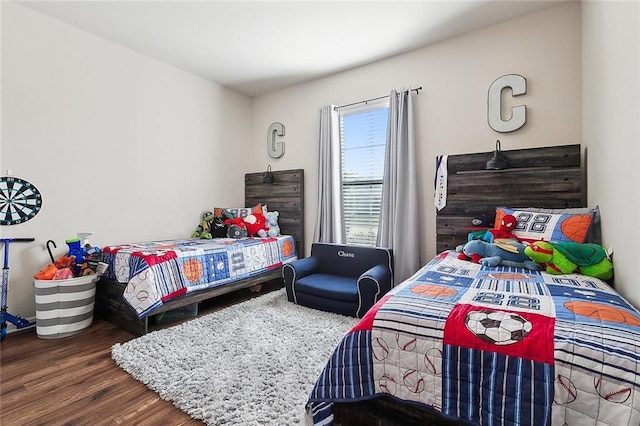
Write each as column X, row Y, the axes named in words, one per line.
column 275, row 149
column 518, row 85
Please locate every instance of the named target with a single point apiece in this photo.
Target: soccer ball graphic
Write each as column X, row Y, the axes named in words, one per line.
column 496, row 327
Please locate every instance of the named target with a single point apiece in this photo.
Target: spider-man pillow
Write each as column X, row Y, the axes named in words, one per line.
column 550, row 225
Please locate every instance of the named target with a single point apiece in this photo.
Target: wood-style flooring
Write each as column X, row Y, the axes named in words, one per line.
column 74, row 381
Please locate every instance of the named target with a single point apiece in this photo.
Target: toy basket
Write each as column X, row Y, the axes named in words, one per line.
column 64, row 307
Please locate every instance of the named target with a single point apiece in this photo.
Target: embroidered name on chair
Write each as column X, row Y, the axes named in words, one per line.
column 343, row 253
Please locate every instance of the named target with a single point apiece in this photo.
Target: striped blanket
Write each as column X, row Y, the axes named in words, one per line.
column 158, row 271
column 493, row 346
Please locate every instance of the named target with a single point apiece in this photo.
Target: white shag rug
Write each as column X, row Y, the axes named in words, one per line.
column 253, row 363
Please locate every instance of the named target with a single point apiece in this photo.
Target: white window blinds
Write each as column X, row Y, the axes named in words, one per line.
column 363, row 132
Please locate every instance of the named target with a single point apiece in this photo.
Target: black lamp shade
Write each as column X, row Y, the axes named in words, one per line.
column 267, row 177
column 499, row 161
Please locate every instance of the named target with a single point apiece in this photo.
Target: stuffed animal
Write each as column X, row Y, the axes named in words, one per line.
column 272, row 223
column 236, row 228
column 256, row 225
column 501, row 252
column 568, row 257
column 204, row 229
column 507, row 225
column 211, row 226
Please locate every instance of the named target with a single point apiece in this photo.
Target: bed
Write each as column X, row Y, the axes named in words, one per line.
column 462, row 343
column 156, row 277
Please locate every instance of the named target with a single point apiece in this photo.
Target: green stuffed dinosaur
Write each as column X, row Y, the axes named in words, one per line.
column 568, row 257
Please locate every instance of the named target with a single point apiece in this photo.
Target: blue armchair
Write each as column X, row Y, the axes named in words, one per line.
column 344, row 279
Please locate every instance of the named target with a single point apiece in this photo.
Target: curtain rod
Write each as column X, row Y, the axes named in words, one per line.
column 417, row 90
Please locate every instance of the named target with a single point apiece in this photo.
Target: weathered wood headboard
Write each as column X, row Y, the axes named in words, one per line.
column 548, row 177
column 286, row 195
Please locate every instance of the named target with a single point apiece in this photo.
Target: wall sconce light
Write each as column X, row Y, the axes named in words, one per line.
column 267, row 177
column 499, row 161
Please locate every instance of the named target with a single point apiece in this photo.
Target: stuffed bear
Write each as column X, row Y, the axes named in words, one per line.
column 255, row 224
column 503, row 252
column 272, row 223
column 568, row 257
column 236, row 228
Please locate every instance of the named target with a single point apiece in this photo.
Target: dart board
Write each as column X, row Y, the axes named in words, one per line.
column 19, row 200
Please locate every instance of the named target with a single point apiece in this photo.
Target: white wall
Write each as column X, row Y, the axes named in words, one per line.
column 118, row 143
column 83, row 118
column 451, row 113
column 611, row 117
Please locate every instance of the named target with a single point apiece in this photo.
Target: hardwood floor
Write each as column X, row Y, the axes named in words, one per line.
column 74, row 381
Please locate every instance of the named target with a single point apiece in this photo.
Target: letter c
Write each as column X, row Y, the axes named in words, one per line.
column 518, row 86
column 275, row 149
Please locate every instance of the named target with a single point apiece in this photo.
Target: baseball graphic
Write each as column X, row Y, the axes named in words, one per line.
column 433, row 361
column 406, row 343
column 142, row 295
column 380, row 348
column 388, row 385
column 565, row 391
column 413, row 380
column 611, row 392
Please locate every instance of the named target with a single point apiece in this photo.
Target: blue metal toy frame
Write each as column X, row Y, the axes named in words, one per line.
column 6, row 316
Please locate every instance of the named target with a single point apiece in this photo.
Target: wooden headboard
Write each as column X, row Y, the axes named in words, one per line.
column 537, row 177
column 286, row 195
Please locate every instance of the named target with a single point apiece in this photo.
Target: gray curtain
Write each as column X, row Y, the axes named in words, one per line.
column 399, row 216
column 329, row 226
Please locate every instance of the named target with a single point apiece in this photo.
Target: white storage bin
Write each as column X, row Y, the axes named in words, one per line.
column 64, row 307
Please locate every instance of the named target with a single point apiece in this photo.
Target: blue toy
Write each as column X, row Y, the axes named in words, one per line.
column 78, row 252
column 6, row 316
column 501, row 252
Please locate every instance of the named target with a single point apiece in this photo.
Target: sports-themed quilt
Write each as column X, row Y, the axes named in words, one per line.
column 160, row 270
column 493, row 346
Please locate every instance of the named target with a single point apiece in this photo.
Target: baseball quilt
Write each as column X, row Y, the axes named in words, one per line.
column 493, row 346
column 160, row 270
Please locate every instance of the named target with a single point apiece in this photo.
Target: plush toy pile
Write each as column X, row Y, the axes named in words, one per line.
column 211, row 226
column 222, row 225
column 499, row 247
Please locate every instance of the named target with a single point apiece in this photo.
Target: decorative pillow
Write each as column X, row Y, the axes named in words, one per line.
column 234, row 212
column 550, row 224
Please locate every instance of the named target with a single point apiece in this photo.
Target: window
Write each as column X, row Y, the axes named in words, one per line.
column 363, row 133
